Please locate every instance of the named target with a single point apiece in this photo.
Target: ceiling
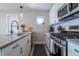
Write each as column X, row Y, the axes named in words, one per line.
column 26, row 6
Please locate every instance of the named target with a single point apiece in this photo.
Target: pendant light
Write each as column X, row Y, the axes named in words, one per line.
column 21, row 15
column 21, row 12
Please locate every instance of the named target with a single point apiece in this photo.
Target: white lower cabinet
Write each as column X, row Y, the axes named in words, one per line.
column 73, row 50
column 12, row 49
column 23, row 47
column 28, row 44
column 0, row 52
column 19, row 48
column 25, row 44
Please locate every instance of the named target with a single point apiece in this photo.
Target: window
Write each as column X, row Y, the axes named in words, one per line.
column 9, row 20
column 40, row 19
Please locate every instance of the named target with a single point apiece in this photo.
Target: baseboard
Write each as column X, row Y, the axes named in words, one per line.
column 39, row 43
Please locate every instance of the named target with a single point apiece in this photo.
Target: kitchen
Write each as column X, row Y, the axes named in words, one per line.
column 39, row 29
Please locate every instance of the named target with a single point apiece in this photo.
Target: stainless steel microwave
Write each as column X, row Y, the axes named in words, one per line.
column 68, row 9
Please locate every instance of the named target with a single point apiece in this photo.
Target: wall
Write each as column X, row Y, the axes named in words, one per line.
column 29, row 18
column 3, row 24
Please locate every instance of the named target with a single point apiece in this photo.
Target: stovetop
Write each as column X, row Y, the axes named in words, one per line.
column 59, row 35
column 68, row 34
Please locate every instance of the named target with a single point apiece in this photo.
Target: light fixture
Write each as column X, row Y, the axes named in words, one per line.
column 21, row 12
column 21, row 15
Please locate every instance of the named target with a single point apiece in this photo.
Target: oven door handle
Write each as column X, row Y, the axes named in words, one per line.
column 61, row 45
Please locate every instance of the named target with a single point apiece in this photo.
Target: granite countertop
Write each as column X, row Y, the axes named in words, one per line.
column 6, row 40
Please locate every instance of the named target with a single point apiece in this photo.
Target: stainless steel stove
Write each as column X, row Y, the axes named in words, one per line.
column 60, row 44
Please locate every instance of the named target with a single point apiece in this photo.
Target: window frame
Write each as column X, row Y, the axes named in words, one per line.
column 42, row 20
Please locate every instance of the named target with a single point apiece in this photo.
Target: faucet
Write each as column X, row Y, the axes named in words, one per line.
column 11, row 32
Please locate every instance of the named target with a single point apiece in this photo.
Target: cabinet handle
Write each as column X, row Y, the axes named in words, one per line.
column 20, row 50
column 27, row 41
column 76, row 50
column 48, row 37
column 15, row 46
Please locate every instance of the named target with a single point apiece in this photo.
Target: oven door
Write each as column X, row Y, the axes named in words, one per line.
column 51, row 46
column 59, row 49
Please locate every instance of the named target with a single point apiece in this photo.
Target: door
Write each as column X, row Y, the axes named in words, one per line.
column 40, row 28
column 9, row 19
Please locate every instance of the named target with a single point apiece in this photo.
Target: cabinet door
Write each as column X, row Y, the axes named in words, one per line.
column 0, row 52
column 46, row 40
column 29, row 40
column 28, row 44
column 11, row 50
column 23, row 46
column 73, row 50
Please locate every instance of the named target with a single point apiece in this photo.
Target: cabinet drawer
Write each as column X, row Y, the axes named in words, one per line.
column 70, row 53
column 11, row 50
column 73, row 48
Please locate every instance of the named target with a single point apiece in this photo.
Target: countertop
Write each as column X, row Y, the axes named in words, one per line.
column 47, row 33
column 6, row 40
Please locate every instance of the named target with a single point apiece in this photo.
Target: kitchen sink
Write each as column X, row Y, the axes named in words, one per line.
column 19, row 34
